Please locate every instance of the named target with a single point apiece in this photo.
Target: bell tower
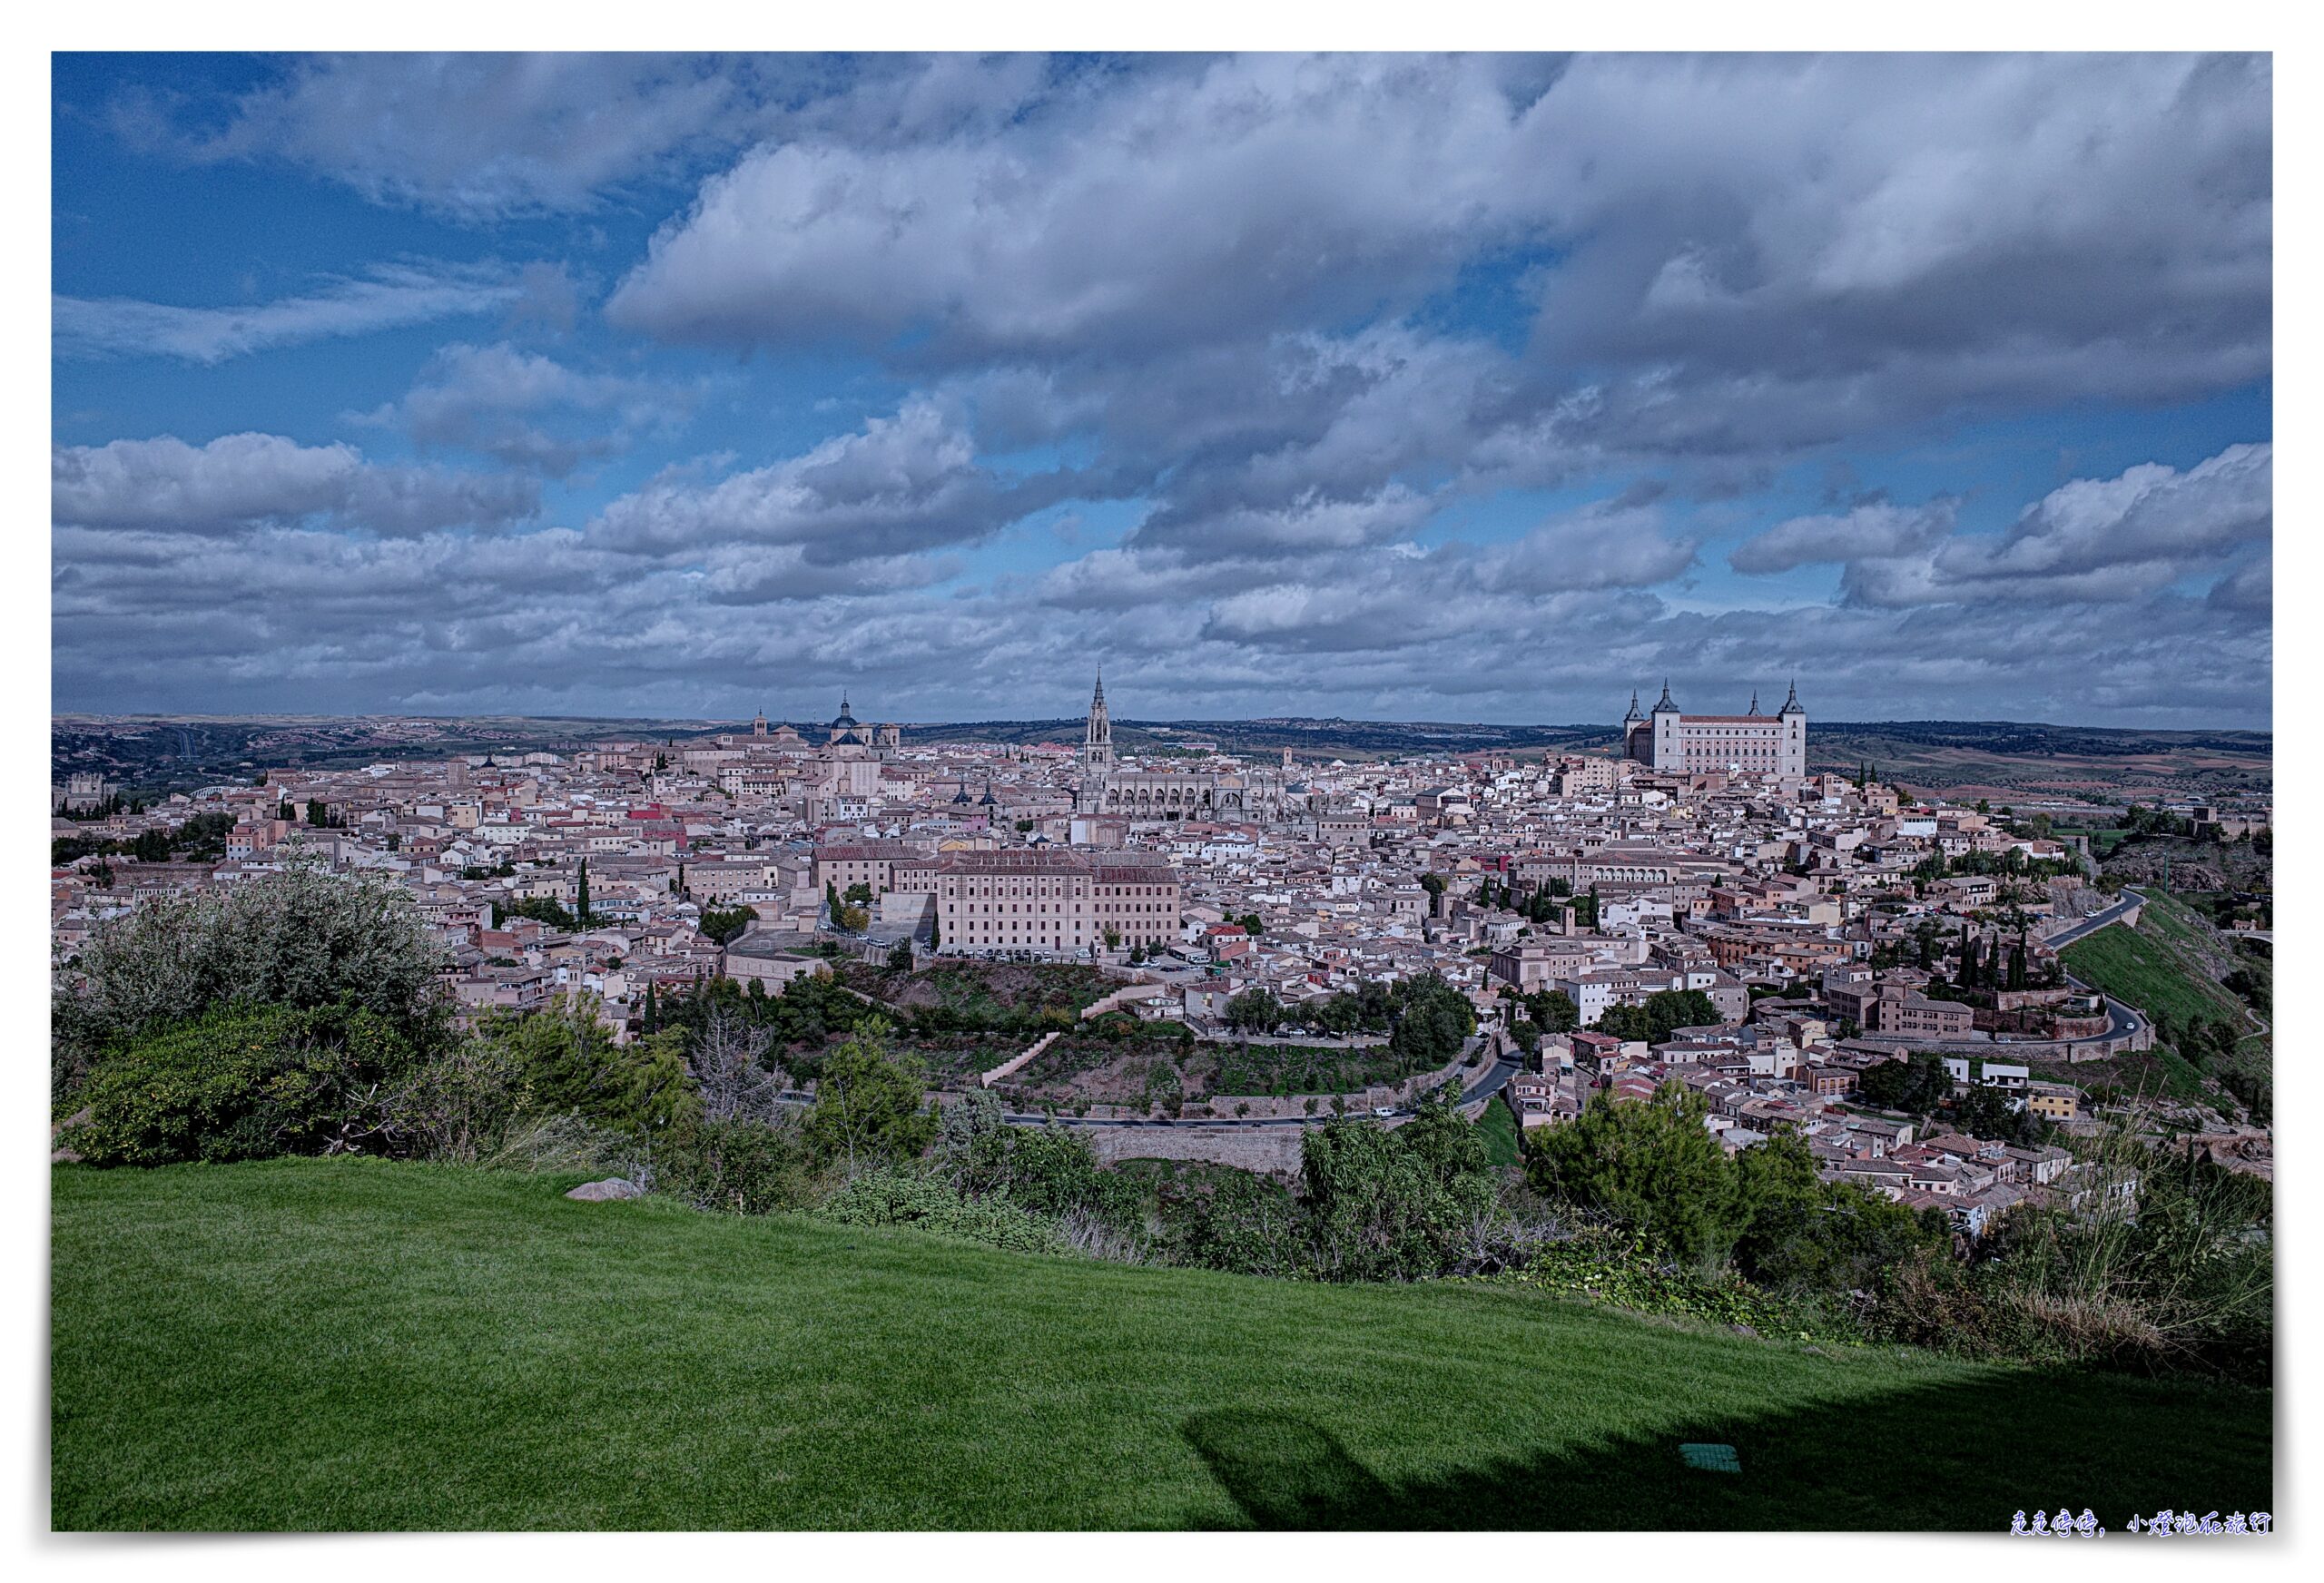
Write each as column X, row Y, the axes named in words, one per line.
column 1096, row 748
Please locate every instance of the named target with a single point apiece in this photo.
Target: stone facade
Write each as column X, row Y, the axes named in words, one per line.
column 1159, row 796
column 1753, row 744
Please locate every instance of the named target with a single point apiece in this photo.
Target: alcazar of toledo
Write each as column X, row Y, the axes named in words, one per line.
column 1718, row 745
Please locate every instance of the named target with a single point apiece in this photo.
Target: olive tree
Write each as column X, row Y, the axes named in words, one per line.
column 304, row 937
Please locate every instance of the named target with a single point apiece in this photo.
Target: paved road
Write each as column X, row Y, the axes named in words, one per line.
column 2097, row 920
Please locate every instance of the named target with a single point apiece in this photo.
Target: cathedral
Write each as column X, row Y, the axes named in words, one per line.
column 1159, row 795
column 1723, row 744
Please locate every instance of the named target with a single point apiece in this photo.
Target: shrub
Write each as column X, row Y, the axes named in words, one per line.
column 1626, row 1269
column 748, row 1167
column 244, row 1086
column 1379, row 1207
column 303, row 938
column 566, row 1060
column 1235, row 1222
column 891, row 1196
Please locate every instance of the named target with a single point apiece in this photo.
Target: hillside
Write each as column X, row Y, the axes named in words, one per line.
column 349, row 1345
column 2174, row 966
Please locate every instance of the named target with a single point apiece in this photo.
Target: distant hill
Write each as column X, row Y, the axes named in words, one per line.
column 154, row 754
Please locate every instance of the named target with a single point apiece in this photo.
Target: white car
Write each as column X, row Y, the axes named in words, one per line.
column 1384, row 1110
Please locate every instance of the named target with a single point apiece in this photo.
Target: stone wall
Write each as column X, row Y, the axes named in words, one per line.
column 1247, row 1149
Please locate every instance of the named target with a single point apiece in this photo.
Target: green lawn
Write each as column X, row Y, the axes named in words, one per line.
column 353, row 1344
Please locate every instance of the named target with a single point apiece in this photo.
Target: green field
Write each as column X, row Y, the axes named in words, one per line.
column 351, row 1344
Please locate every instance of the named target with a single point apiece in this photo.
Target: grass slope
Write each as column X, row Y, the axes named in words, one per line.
column 351, row 1345
column 2154, row 967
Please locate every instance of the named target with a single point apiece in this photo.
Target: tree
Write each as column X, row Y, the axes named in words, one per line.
column 539, row 909
column 1339, row 1015
column 569, row 1063
column 1554, row 1011
column 581, row 896
column 726, row 924
column 1917, row 1085
column 1983, row 1113
column 868, row 1104
column 316, row 812
column 1254, row 1010
column 900, row 956
column 1430, row 1021
column 1434, row 885
column 935, row 935
column 727, row 1057
column 1652, row 1165
column 1663, row 1011
column 304, row 937
column 2017, row 978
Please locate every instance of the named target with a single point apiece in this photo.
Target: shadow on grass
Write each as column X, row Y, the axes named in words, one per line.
column 1954, row 1458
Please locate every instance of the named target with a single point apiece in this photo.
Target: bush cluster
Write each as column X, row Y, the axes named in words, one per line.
column 896, row 1196
column 245, row 1085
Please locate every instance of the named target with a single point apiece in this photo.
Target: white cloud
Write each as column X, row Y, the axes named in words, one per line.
column 242, row 480
column 2096, row 540
column 392, row 297
column 1870, row 532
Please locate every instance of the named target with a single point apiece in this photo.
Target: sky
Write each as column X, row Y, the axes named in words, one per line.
column 1481, row 388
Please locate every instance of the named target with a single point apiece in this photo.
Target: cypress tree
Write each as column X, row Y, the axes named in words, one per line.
column 653, row 1011
column 581, row 896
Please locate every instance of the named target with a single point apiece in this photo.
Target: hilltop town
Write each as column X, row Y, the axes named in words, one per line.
column 1698, row 909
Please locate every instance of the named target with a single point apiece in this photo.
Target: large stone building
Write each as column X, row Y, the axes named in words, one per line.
column 1719, row 745
column 1160, row 795
column 1046, row 903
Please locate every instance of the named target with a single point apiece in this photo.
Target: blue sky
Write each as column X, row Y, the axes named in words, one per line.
column 1394, row 387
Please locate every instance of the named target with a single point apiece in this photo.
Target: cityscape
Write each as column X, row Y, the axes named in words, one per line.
column 1359, row 792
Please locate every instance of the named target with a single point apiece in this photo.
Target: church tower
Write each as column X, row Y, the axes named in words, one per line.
column 1791, row 753
column 1098, row 742
column 1097, row 749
